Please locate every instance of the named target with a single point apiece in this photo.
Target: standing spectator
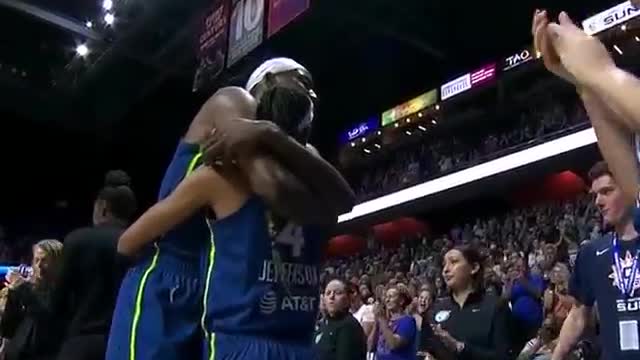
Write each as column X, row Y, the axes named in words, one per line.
column 524, row 292
column 394, row 335
column 340, row 336
column 557, row 302
column 26, row 321
column 363, row 309
column 604, row 275
column 470, row 323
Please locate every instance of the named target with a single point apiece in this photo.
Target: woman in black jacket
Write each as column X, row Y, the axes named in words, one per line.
column 26, row 321
column 340, row 336
column 469, row 324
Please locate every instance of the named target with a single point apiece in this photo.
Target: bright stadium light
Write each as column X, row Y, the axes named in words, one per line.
column 367, row 151
column 89, row 24
column 513, row 161
column 107, row 4
column 82, row 50
column 618, row 50
column 377, row 146
column 109, row 18
column 422, row 128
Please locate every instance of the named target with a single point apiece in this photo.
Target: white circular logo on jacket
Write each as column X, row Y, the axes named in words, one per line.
column 442, row 316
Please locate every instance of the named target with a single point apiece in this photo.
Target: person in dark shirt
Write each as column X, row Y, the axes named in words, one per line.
column 469, row 324
column 91, row 273
column 606, row 274
column 340, row 336
column 26, row 320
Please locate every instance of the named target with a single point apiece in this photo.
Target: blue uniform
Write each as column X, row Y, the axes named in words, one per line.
column 157, row 315
column 261, row 289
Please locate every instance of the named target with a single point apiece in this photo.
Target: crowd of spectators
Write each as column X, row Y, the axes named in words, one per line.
column 527, row 255
column 435, row 157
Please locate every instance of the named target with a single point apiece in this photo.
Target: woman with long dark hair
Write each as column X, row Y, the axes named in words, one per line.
column 469, row 323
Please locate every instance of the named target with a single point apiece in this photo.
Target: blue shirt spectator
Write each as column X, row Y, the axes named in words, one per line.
column 405, row 327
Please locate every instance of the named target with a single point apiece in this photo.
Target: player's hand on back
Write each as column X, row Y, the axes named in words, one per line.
column 234, row 139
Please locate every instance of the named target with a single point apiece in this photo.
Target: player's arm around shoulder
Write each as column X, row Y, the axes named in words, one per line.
column 193, row 193
column 285, row 193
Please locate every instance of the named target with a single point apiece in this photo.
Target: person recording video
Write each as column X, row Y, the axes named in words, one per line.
column 26, row 321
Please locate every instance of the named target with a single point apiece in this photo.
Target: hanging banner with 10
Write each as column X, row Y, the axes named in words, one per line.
column 246, row 28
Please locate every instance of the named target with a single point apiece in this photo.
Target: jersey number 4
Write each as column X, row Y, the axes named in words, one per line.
column 293, row 236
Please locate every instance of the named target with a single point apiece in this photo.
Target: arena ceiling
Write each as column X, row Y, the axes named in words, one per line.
column 133, row 91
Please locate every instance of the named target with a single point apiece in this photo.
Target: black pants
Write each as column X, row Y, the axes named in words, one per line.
column 85, row 347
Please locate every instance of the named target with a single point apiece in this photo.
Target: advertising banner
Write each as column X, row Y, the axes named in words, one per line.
column 362, row 129
column 519, row 58
column 212, row 43
column 483, row 75
column 610, row 18
column 455, row 87
column 246, row 28
column 282, row 12
column 410, row 107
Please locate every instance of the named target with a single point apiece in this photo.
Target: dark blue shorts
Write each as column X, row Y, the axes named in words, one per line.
column 157, row 315
column 236, row 347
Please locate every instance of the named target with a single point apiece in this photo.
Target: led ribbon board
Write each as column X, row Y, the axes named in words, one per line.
column 509, row 162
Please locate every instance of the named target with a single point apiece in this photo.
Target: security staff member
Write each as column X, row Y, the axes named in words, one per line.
column 469, row 324
column 340, row 336
column 91, row 272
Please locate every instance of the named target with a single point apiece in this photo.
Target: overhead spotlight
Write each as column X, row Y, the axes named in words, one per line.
column 377, row 146
column 109, row 18
column 89, row 24
column 364, row 140
column 637, row 38
column 353, row 144
column 437, row 107
column 107, row 4
column 623, row 27
column 408, row 120
column 434, row 122
column 538, row 54
column 408, row 132
column 419, row 115
column 618, row 50
column 379, row 133
column 422, row 128
column 396, row 125
column 82, row 50
column 367, row 151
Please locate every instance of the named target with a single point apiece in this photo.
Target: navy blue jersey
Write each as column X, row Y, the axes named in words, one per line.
column 263, row 284
column 189, row 239
column 594, row 281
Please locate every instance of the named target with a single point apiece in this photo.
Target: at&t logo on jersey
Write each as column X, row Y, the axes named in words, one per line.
column 268, row 303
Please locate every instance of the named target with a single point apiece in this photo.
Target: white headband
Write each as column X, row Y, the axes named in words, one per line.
column 272, row 66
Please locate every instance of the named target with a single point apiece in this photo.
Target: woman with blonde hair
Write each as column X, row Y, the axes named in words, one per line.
column 26, row 322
